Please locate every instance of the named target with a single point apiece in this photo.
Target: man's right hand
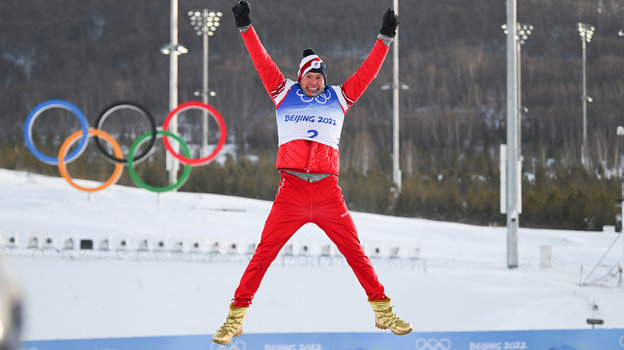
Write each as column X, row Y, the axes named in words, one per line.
column 390, row 23
column 241, row 14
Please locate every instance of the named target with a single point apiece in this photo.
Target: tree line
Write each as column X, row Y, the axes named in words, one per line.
column 96, row 52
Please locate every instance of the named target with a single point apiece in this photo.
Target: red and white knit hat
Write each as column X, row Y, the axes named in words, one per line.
column 311, row 63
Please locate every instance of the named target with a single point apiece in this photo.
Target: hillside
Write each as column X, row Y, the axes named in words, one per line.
column 96, row 52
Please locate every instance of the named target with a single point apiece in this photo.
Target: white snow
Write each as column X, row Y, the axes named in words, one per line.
column 461, row 283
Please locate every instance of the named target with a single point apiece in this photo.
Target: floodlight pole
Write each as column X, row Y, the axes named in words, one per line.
column 584, row 100
column 513, row 179
column 205, row 23
column 173, row 49
column 523, row 31
column 396, row 171
column 173, row 89
column 586, row 32
column 205, row 93
column 396, row 86
column 620, row 132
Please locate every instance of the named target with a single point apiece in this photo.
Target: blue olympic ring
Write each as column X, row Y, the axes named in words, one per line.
column 40, row 108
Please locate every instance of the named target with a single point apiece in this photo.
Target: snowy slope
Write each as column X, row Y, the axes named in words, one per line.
column 461, row 282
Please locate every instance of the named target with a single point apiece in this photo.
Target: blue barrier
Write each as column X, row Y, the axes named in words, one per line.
column 596, row 339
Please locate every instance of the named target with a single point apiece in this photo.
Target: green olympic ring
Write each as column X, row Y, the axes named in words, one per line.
column 135, row 177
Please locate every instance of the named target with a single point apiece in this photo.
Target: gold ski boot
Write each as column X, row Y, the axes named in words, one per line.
column 386, row 319
column 233, row 326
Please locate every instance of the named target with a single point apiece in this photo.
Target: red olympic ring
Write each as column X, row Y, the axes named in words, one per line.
column 215, row 114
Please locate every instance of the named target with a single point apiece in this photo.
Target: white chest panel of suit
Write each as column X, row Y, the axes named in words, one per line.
column 318, row 118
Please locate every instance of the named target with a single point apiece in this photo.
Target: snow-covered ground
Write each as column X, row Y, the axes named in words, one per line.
column 459, row 282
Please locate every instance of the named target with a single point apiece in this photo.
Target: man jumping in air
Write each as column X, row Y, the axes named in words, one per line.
column 310, row 115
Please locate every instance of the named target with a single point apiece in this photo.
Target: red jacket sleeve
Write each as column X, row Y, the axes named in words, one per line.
column 272, row 78
column 355, row 86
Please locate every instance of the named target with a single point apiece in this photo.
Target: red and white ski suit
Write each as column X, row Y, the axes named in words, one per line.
column 299, row 201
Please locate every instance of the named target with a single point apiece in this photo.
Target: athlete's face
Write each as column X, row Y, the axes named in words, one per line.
column 312, row 83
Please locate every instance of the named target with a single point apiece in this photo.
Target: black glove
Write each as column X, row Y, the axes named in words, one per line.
column 241, row 13
column 390, row 23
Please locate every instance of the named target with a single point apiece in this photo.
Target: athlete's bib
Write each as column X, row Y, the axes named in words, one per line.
column 317, row 118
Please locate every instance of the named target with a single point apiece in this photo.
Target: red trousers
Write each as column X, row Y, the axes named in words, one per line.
column 299, row 202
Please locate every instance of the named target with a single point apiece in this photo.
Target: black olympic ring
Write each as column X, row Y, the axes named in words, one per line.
column 107, row 111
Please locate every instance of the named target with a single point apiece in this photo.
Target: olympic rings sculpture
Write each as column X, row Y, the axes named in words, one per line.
column 82, row 136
